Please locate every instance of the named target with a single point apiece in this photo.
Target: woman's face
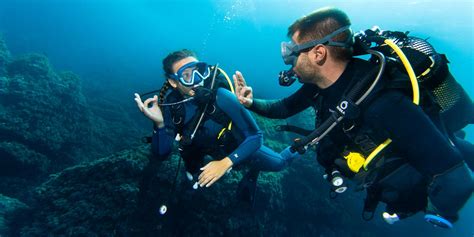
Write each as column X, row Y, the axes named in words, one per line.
column 175, row 84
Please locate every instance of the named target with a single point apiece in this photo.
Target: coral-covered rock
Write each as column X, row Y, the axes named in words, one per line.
column 111, row 196
column 18, row 160
column 8, row 206
column 4, row 56
column 45, row 112
column 34, row 65
column 47, row 124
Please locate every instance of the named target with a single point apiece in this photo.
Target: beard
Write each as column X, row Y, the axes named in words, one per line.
column 307, row 73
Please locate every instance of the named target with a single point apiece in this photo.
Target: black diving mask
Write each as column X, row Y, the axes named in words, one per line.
column 290, row 51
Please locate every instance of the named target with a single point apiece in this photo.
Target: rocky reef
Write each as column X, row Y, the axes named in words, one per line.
column 4, row 56
column 7, row 207
column 47, row 124
column 114, row 196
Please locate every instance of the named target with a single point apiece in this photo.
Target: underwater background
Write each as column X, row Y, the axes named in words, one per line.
column 71, row 156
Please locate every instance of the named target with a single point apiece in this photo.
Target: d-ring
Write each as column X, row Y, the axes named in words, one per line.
column 180, row 120
column 348, row 129
column 213, row 111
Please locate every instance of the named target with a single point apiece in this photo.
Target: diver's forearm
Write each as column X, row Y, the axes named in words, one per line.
column 275, row 109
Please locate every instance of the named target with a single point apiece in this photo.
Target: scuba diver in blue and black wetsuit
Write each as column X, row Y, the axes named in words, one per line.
column 394, row 135
column 197, row 106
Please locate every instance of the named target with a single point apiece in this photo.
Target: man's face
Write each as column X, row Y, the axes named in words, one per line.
column 305, row 68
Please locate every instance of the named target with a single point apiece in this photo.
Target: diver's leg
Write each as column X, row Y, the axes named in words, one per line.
column 149, row 173
column 193, row 160
column 248, row 186
column 264, row 159
column 467, row 150
column 449, row 191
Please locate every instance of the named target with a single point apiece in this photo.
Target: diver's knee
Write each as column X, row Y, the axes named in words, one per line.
column 449, row 191
column 272, row 166
column 280, row 165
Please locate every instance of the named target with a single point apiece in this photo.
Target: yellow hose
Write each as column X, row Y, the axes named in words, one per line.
column 409, row 68
column 229, row 127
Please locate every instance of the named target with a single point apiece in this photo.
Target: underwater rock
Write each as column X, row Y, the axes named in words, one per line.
column 19, row 168
column 110, row 197
column 7, row 207
column 120, row 195
column 4, row 56
column 42, row 110
column 47, row 124
column 90, row 199
column 34, row 112
column 18, row 160
column 34, row 65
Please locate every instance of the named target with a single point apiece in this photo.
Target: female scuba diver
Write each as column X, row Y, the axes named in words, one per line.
column 196, row 106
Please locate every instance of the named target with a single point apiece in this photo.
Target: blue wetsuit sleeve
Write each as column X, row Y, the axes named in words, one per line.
column 414, row 135
column 162, row 139
column 242, row 120
column 286, row 107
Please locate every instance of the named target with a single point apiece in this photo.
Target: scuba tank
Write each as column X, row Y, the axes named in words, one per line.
column 431, row 69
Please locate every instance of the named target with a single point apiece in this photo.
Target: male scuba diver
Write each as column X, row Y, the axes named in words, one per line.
column 196, row 105
column 394, row 140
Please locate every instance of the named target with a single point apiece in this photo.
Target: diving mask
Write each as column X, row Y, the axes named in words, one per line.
column 290, row 51
column 191, row 73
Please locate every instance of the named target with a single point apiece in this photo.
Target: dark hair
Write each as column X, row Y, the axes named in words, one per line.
column 320, row 23
column 164, row 88
column 173, row 57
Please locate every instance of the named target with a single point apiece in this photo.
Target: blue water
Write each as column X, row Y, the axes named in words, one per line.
column 121, row 43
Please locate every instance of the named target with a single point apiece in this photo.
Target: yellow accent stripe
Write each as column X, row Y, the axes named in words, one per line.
column 428, row 69
column 228, row 80
column 416, row 95
column 376, row 152
column 229, row 127
column 220, row 133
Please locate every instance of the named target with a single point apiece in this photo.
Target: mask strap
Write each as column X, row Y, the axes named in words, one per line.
column 326, row 39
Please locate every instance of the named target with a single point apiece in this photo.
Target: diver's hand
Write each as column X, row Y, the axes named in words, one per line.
column 213, row 171
column 243, row 92
column 153, row 112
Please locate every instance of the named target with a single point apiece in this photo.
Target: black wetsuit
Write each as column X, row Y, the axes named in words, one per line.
column 417, row 135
